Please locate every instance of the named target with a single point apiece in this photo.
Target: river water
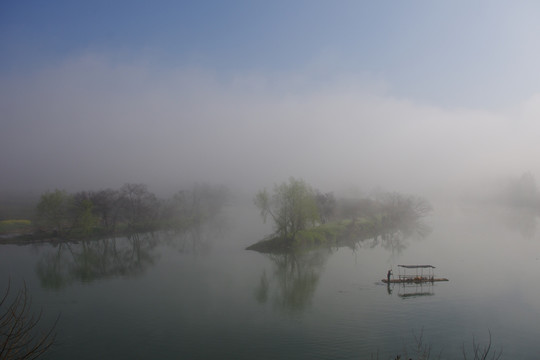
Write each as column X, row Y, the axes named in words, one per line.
column 200, row 295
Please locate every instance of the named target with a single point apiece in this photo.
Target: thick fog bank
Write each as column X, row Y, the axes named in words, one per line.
column 91, row 123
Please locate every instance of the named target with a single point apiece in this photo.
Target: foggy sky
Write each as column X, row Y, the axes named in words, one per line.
column 89, row 119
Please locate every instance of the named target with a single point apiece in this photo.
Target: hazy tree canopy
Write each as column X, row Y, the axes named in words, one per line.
column 105, row 205
column 402, row 207
column 292, row 206
column 204, row 201
column 132, row 208
column 52, row 212
column 356, row 208
column 82, row 212
column 139, row 206
column 326, row 203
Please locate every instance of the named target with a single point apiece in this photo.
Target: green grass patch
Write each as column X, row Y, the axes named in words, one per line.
column 326, row 234
column 15, row 226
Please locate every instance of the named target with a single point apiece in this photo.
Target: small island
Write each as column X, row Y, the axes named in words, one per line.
column 305, row 218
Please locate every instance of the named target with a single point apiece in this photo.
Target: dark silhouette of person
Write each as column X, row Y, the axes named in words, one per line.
column 388, row 275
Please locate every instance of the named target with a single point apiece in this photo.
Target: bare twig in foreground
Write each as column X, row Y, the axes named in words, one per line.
column 20, row 337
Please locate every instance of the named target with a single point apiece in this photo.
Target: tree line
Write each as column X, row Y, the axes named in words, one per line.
column 131, row 208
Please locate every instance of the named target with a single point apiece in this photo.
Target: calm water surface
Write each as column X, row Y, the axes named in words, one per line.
column 200, row 295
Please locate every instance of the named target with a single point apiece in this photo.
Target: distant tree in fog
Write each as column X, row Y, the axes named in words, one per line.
column 326, row 203
column 106, row 207
column 403, row 211
column 83, row 219
column 138, row 205
column 52, row 212
column 204, row 201
column 356, row 208
column 292, row 207
column 193, row 206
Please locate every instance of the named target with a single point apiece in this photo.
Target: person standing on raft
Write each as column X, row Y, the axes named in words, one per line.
column 388, row 275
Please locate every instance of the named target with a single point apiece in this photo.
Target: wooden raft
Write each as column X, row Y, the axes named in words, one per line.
column 413, row 280
column 417, row 278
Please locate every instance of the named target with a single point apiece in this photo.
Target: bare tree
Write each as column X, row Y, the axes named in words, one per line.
column 422, row 350
column 106, row 208
column 20, row 337
column 480, row 352
column 139, row 206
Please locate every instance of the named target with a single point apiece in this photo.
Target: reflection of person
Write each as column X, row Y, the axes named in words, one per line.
column 388, row 289
column 388, row 275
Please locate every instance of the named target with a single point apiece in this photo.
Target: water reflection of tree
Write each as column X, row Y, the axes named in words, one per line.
column 294, row 279
column 89, row 260
column 391, row 238
column 395, row 243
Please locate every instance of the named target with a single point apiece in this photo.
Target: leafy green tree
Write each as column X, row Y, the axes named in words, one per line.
column 52, row 212
column 292, row 206
column 84, row 221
